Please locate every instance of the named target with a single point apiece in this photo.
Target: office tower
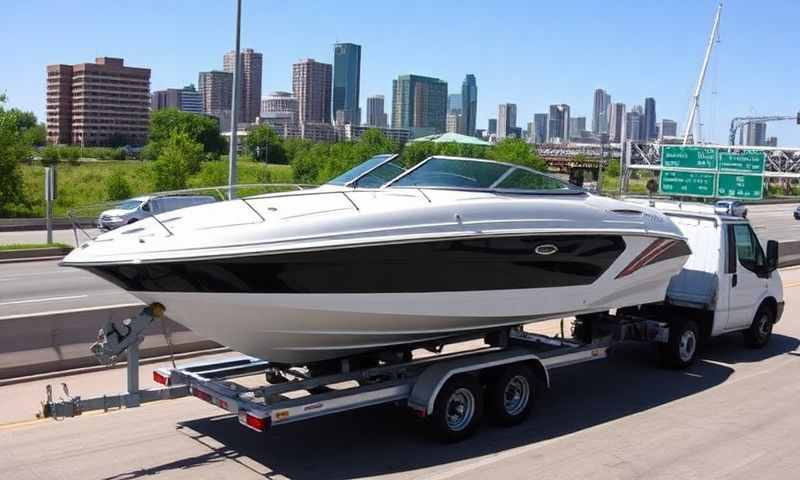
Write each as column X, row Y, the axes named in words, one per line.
column 215, row 91
column 376, row 116
column 469, row 104
column 600, row 112
column 506, row 119
column 75, row 113
column 454, row 103
column 492, row 127
column 419, row 104
column 539, row 128
column 634, row 125
column 558, row 124
column 669, row 128
column 455, row 121
column 311, row 83
column 649, row 130
column 772, row 142
column 576, row 126
column 346, row 82
column 186, row 99
column 616, row 122
column 755, row 134
column 250, row 64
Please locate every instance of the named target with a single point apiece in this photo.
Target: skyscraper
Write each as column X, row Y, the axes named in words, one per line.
column 492, row 126
column 558, row 124
column 649, row 131
column 469, row 104
column 576, row 126
column 186, row 99
column 616, row 122
column 539, row 135
column 215, row 90
column 454, row 121
column 755, row 134
column 506, row 119
column 419, row 104
column 346, row 82
column 454, row 103
column 250, row 64
column 634, row 125
column 669, row 128
column 376, row 117
column 600, row 112
column 311, row 84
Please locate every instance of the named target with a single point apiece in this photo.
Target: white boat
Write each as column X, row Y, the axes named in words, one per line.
column 450, row 247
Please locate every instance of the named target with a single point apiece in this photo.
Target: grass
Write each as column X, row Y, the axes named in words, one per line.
column 31, row 246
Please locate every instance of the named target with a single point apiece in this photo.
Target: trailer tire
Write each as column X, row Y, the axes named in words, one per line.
column 760, row 331
column 458, row 409
column 510, row 396
column 681, row 349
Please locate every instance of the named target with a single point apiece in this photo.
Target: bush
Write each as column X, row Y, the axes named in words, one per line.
column 117, row 187
column 211, row 174
column 180, row 157
column 72, row 154
column 119, row 154
column 49, row 155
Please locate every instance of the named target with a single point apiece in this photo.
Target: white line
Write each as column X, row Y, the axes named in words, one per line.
column 40, row 300
column 72, row 310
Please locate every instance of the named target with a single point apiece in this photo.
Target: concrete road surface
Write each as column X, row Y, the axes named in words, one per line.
column 775, row 222
column 733, row 415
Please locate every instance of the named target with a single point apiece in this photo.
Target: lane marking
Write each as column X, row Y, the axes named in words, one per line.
column 71, row 310
column 41, row 300
column 42, row 274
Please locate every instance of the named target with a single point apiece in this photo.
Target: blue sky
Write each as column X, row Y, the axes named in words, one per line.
column 532, row 53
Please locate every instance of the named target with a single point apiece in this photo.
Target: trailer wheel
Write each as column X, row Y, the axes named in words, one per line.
column 511, row 395
column 760, row 331
column 681, row 350
column 458, row 409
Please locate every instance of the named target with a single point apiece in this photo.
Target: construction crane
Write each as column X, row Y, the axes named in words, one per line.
column 696, row 97
column 738, row 122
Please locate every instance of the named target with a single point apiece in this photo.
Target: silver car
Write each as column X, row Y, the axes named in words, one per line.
column 730, row 207
column 135, row 209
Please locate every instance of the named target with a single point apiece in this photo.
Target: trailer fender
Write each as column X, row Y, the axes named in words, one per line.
column 430, row 382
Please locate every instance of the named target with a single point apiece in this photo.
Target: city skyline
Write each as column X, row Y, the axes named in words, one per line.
column 176, row 55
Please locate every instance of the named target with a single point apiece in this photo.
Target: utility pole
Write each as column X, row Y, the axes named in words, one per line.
column 696, row 97
column 234, row 108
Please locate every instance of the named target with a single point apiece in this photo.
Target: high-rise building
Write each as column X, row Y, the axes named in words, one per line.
column 419, row 104
column 669, row 128
column 346, row 82
column 215, row 91
column 186, row 99
column 94, row 103
column 376, row 116
column 455, row 121
column 469, row 104
column 250, row 64
column 539, row 135
column 600, row 112
column 616, row 122
column 492, row 126
column 755, row 134
column 772, row 142
column 576, row 126
column 280, row 104
column 634, row 125
column 454, row 103
column 311, row 83
column 558, row 124
column 506, row 119
column 649, row 130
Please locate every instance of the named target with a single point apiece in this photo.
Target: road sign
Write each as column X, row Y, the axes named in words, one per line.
column 695, row 184
column 689, row 157
column 742, row 162
column 746, row 187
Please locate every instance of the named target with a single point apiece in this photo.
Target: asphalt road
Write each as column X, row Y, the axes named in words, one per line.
column 775, row 222
column 732, row 415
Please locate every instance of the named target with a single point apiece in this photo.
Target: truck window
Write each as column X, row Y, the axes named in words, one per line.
column 747, row 247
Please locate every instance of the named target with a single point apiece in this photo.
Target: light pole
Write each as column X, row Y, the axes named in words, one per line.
column 234, row 108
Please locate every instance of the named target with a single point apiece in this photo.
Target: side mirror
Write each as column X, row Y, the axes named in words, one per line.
column 772, row 255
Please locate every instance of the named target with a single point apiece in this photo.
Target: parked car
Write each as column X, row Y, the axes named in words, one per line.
column 730, row 207
column 797, row 213
column 134, row 209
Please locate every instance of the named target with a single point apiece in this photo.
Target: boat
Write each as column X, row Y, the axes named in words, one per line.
column 390, row 257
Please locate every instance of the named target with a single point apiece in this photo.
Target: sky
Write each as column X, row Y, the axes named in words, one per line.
column 532, row 53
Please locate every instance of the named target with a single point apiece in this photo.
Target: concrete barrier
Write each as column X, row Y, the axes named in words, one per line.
column 789, row 254
column 32, row 345
column 34, row 254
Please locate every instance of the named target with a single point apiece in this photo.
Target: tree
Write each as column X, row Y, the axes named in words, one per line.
column 50, row 155
column 35, row 136
column 198, row 128
column 264, row 145
column 11, row 153
column 117, row 187
column 179, row 158
column 515, row 150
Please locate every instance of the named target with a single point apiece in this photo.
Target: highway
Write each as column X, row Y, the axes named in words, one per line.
column 775, row 222
column 732, row 415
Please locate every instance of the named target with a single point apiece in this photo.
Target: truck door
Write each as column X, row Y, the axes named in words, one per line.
column 746, row 287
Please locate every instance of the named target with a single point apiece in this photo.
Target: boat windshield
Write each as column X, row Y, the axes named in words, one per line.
column 461, row 173
column 372, row 173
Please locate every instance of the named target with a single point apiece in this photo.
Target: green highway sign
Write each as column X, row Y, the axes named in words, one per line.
column 743, row 162
column 748, row 187
column 696, row 184
column 689, row 157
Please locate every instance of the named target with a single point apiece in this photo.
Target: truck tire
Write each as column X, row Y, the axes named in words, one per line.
column 458, row 409
column 760, row 331
column 510, row 396
column 681, row 349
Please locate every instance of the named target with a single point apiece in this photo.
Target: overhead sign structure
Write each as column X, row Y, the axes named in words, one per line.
column 708, row 172
column 689, row 157
column 748, row 187
column 743, row 162
column 694, row 184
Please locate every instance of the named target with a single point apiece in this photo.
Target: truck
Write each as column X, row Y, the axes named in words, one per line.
column 730, row 284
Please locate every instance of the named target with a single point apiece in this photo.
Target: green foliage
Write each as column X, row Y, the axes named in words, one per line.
column 180, row 157
column 198, row 128
column 50, row 155
column 11, row 153
column 517, row 151
column 211, row 174
column 70, row 153
column 613, row 168
column 119, row 154
column 35, row 136
column 264, row 145
column 117, row 187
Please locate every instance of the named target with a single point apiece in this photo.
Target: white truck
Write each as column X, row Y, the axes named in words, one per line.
column 729, row 284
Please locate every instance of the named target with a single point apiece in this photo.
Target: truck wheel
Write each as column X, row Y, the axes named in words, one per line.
column 510, row 396
column 760, row 331
column 684, row 338
column 458, row 409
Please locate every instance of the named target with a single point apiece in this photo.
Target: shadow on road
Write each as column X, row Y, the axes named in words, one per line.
column 385, row 439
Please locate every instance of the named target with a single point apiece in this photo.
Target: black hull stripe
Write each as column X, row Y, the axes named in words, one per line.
column 497, row 263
